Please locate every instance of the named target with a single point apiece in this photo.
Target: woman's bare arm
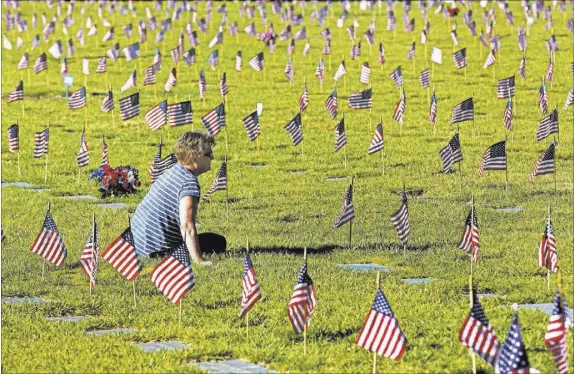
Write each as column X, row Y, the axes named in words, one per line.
column 187, row 214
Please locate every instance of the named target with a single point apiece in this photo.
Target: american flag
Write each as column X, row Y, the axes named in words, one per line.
column 257, row 62
column 436, row 55
column 108, row 102
column 304, row 99
column 220, row 181
column 347, row 211
column 83, row 157
column 459, row 58
column 17, row 94
column 193, row 39
column 56, row 49
column 547, row 255
column 424, row 78
column 161, row 166
column 152, row 23
column 159, row 36
column 104, row 160
column 377, row 143
column 451, row 154
column 189, row 57
column 326, row 34
column 233, row 28
column 41, row 64
column 156, row 117
column 319, row 71
column 171, row 80
column 149, row 77
column 472, row 27
column 180, row 113
column 463, row 111
column 307, row 48
column 202, row 84
column 121, row 254
column 351, row 31
column 355, row 50
column 361, row 100
column 131, row 82
column 391, row 21
column 411, row 51
column 399, row 114
column 381, row 53
column 521, row 39
column 64, row 66
column 370, row 36
column 217, row 39
column 303, row 301
column 340, row 136
column 551, row 44
column 36, row 41
column 77, row 99
column 477, row 334
column 291, row 48
column 550, row 70
column 569, row 99
column 381, row 333
column 213, row 59
column 505, row 88
column 433, row 108
column 454, row 37
column 331, row 104
column 545, row 164
column 80, row 36
column 548, row 125
column 400, row 220
column 214, row 120
column 89, row 256
column 556, row 336
column 101, row 68
column 93, row 30
column 470, row 242
column 114, row 52
column 326, row 47
column 489, row 60
column 251, row 292
column 24, row 61
column 251, row 123
column 543, row 99
column 508, row 114
column 238, row 61
column 250, row 29
column 132, row 51
column 13, row 141
column 341, row 71
column 294, row 128
column 289, row 70
column 109, row 35
column 494, row 158
column 223, row 89
column 175, row 55
column 130, row 106
column 173, row 275
column 156, row 158
column 365, row 73
column 513, row 357
column 49, row 243
column 397, row 77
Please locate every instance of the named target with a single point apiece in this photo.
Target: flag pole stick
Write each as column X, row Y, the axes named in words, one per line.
column 506, row 169
column 226, row 194
column 180, row 312
column 46, row 170
column 247, row 313
column 470, row 296
column 134, row 289
column 375, row 353
column 305, row 322
column 345, row 156
column 351, row 222
column 548, row 270
column 472, row 114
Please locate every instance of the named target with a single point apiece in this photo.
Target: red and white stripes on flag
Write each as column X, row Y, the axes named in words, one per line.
column 347, row 210
column 365, row 73
column 173, row 275
column 171, row 80
column 399, row 114
column 319, row 71
column 83, row 157
column 303, row 301
column 547, row 255
column 381, row 332
column 556, row 336
column 433, row 108
column 294, row 128
column 90, row 256
column 545, row 164
column 304, row 99
column 220, row 181
column 470, row 242
column 507, row 118
column 238, row 61
column 104, row 160
column 49, row 243
column 156, row 117
column 251, row 292
column 121, row 254
column 377, row 143
column 400, row 220
column 569, row 99
column 341, row 71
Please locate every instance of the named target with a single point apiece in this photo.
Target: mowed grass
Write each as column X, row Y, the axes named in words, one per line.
column 281, row 212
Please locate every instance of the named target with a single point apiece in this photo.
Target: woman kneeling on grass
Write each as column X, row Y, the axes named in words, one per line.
column 168, row 212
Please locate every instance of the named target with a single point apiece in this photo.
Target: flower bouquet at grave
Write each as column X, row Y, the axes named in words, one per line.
column 122, row 180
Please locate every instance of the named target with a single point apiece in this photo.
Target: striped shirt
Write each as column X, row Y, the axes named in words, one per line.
column 156, row 225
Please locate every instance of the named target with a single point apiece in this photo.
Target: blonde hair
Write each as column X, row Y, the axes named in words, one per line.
column 192, row 145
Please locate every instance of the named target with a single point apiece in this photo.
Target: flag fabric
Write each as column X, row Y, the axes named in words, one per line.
column 257, row 62
column 130, row 106
column 399, row 114
column 347, row 211
column 108, row 102
column 173, row 275
column 381, row 333
column 159, row 167
column 180, row 113
column 156, row 158
column 477, row 334
column 400, row 220
column 470, row 241
column 251, row 123
column 320, row 70
column 433, row 108
column 131, row 82
column 156, row 117
column 49, row 243
column 365, row 73
column 64, row 66
column 24, row 62
column 543, row 99
column 505, row 88
column 223, row 89
column 83, row 157
column 220, row 181
column 355, row 51
column 41, row 64
column 102, row 65
column 171, row 80
column 303, row 301
column 175, row 55
column 189, row 57
column 490, row 60
column 454, row 37
column 17, row 93
column 307, row 48
column 550, row 71
column 331, row 104
column 214, row 120
column 436, row 55
column 494, row 158
column 340, row 136
column 381, row 58
column 548, row 125
column 104, row 160
column 238, row 61
column 547, row 255
column 463, row 111
column 424, row 78
column 114, row 52
column 202, row 84
column 507, row 118
column 377, row 143
column 132, row 51
column 556, row 336
column 149, row 77
column 459, row 58
column 294, row 128
column 90, row 255
column 411, row 51
column 213, row 59
column 289, row 70
column 291, row 48
column 13, row 139
column 397, row 77
column 109, row 35
column 551, row 44
column 569, row 99
column 545, row 164
column 361, row 100
column 77, row 99
column 250, row 289
column 451, row 154
column 121, row 254
column 326, row 47
column 56, row 49
column 341, row 71
column 513, row 357
column 304, row 99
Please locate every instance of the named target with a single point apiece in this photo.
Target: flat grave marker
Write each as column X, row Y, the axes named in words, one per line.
column 17, row 184
column 110, row 332
column 23, row 300
column 158, row 346
column 546, row 308
column 365, row 267
column 113, row 205
column 67, row 318
column 333, row 179
column 80, row 197
column 417, row 280
column 512, row 209
column 232, row 366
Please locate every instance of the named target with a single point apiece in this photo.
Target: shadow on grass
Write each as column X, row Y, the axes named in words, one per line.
column 333, row 336
column 399, row 247
column 218, row 304
column 325, row 249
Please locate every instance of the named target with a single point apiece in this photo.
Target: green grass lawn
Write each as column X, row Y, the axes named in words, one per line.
column 281, row 212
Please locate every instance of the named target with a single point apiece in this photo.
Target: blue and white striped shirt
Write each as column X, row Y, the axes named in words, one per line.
column 156, row 225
